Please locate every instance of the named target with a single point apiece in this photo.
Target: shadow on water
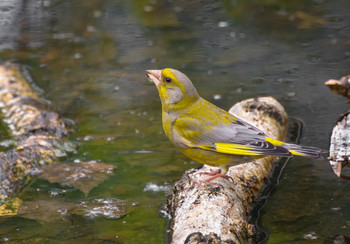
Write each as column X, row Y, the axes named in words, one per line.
column 262, row 233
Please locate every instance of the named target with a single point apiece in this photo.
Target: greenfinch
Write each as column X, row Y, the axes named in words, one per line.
column 210, row 135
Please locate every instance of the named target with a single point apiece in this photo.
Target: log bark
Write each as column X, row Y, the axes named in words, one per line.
column 39, row 134
column 217, row 212
column 339, row 150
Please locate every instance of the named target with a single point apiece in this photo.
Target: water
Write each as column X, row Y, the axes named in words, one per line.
column 88, row 58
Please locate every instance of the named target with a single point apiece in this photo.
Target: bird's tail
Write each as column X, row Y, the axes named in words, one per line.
column 311, row 152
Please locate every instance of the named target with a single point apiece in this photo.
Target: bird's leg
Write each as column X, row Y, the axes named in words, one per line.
column 220, row 172
column 211, row 172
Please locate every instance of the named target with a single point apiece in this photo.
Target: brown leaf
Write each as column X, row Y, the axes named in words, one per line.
column 306, row 20
column 83, row 175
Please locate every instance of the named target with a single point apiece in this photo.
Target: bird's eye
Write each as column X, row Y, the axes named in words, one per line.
column 168, row 79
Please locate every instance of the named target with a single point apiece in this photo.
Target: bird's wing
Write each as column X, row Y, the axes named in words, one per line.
column 236, row 137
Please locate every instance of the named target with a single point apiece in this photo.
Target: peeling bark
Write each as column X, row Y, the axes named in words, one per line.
column 339, row 150
column 40, row 135
column 218, row 212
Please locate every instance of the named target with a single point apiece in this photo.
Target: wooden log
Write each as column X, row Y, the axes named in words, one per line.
column 339, row 150
column 217, row 212
column 40, row 135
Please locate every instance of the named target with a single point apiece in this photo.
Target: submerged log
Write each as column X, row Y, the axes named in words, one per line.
column 39, row 134
column 39, row 139
column 217, row 212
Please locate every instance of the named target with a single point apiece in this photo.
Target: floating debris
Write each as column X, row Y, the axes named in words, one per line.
column 223, row 24
column 217, row 97
column 155, row 188
column 341, row 86
column 110, row 208
column 291, row 94
column 306, row 21
column 310, row 236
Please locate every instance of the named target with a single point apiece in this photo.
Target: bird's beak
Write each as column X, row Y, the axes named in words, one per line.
column 154, row 75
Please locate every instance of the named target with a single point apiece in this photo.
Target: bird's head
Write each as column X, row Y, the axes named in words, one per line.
column 176, row 90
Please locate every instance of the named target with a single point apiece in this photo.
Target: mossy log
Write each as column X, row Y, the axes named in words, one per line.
column 39, row 134
column 217, row 212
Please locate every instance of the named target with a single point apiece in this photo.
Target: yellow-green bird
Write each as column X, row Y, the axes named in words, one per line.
column 210, row 135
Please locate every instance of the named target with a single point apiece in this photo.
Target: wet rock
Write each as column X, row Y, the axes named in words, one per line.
column 45, row 210
column 55, row 209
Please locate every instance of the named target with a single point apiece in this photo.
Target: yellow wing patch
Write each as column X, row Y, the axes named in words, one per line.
column 274, row 141
column 296, row 153
column 230, row 148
